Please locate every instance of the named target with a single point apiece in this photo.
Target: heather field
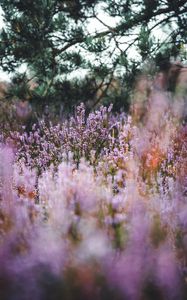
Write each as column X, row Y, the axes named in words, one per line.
column 95, row 207
column 93, row 150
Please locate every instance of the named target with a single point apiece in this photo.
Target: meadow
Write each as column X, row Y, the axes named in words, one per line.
column 95, row 207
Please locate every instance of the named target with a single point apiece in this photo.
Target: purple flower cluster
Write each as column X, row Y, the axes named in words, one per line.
column 50, row 144
column 87, row 136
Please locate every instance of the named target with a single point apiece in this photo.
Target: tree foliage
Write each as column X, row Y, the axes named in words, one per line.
column 57, row 40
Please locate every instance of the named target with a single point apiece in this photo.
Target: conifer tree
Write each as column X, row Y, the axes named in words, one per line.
column 54, row 39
